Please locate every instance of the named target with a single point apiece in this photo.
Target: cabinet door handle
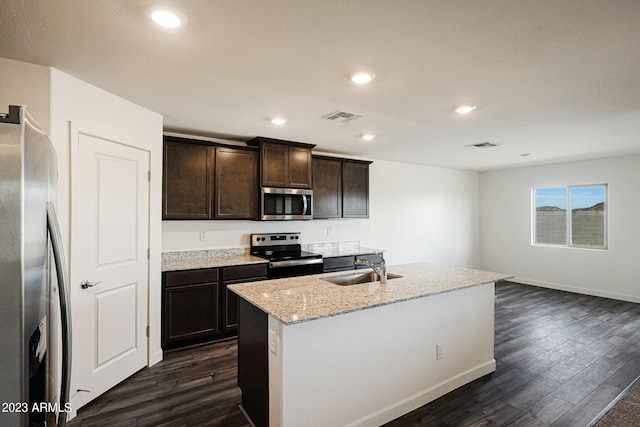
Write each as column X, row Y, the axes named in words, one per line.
column 87, row 284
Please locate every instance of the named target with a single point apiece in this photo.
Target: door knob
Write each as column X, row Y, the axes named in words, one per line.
column 87, row 284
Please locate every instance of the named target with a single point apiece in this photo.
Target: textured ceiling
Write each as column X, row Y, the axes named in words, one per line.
column 556, row 78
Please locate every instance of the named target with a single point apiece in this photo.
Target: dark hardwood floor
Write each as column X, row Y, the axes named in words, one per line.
column 191, row 387
column 561, row 359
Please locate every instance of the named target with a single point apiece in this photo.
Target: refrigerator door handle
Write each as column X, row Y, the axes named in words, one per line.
column 65, row 310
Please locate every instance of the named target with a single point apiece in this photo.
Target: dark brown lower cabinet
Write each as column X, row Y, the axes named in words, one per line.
column 189, row 307
column 372, row 258
column 197, row 306
column 339, row 263
column 231, row 276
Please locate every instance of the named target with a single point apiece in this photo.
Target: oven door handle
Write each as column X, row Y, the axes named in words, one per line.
column 296, row 262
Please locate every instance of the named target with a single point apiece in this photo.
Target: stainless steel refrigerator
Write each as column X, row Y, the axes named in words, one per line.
column 35, row 327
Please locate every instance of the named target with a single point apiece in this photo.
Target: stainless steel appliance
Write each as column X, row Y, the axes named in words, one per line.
column 285, row 255
column 35, row 335
column 285, row 204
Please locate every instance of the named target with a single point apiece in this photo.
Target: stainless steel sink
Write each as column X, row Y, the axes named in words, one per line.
column 355, row 278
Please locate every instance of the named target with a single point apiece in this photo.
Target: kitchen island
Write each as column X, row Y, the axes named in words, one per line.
column 315, row 353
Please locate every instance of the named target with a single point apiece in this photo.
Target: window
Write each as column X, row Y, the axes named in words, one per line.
column 586, row 227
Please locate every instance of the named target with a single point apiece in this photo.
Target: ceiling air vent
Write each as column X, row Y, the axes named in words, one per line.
column 486, row 144
column 342, row 116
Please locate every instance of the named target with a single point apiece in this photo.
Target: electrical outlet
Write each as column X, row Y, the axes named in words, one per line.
column 329, row 231
column 273, row 341
column 439, row 351
column 203, row 236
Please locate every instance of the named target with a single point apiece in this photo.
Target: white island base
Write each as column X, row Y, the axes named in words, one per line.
column 368, row 367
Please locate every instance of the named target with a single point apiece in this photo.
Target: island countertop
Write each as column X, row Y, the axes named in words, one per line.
column 299, row 299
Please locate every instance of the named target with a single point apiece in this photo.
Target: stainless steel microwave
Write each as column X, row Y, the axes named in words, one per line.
column 285, row 204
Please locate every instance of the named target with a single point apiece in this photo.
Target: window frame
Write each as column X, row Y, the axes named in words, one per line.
column 569, row 217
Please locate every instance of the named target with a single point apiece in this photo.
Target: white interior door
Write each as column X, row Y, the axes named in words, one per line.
column 109, row 263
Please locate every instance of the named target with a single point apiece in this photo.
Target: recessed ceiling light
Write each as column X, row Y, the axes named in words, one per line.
column 278, row 121
column 368, row 136
column 168, row 18
column 464, row 109
column 362, row 77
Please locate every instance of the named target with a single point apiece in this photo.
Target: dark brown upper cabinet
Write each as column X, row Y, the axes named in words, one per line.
column 186, row 181
column 340, row 188
column 283, row 164
column 236, row 183
column 355, row 189
column 327, row 188
column 203, row 181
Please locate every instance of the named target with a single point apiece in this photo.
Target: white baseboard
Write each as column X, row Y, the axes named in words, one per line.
column 423, row 397
column 576, row 289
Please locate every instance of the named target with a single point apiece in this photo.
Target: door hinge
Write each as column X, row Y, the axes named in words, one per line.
column 149, row 175
column 147, row 331
column 148, row 253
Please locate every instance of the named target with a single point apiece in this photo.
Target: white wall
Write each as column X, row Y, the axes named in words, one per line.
column 423, row 213
column 505, row 223
column 26, row 84
column 372, row 366
column 417, row 213
column 73, row 100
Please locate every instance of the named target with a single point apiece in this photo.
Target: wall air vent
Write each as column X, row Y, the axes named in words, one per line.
column 486, row 144
column 342, row 116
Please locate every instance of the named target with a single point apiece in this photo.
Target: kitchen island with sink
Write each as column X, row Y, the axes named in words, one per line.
column 330, row 350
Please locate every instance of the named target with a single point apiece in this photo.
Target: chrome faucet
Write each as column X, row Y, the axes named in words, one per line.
column 381, row 272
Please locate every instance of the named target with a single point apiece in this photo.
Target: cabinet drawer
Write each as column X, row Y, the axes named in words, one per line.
column 191, row 277
column 249, row 271
column 339, row 263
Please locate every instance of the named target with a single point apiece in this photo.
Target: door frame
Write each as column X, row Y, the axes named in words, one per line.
column 76, row 130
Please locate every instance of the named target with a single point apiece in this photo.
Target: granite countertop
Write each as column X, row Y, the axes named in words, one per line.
column 212, row 258
column 191, row 260
column 305, row 298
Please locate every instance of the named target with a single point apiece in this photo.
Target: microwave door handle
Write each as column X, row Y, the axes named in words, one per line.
column 304, row 204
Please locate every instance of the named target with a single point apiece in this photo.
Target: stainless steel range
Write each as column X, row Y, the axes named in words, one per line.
column 285, row 255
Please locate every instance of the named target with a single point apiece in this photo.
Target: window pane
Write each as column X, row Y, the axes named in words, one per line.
column 551, row 216
column 588, row 216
